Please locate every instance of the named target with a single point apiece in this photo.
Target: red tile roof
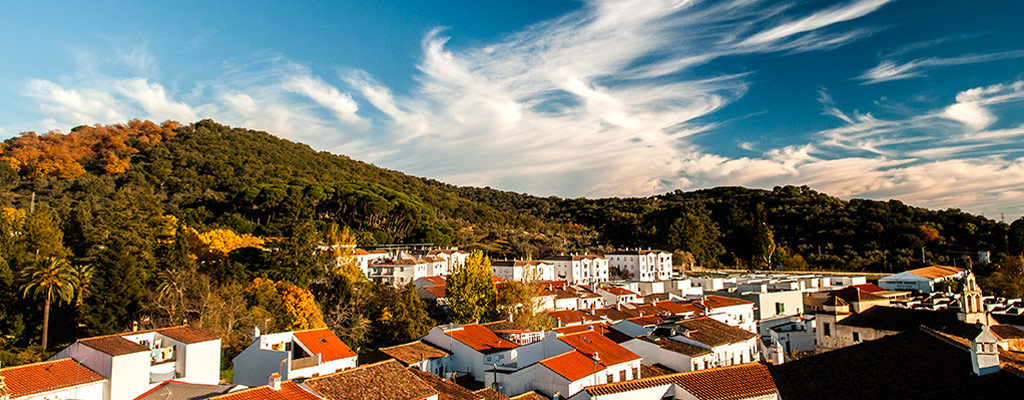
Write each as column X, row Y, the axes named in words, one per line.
column 113, row 345
column 288, row 391
column 490, row 394
column 712, row 301
column 868, row 287
column 438, row 291
column 411, row 353
column 713, row 332
column 571, row 316
column 573, row 365
column 936, row 271
column 641, row 310
column 674, row 308
column 46, row 376
column 323, row 342
column 446, row 390
column 589, row 342
column 596, row 326
column 186, row 334
column 530, row 396
column 618, row 291
column 383, row 380
column 480, row 339
column 435, row 280
column 735, row 382
column 647, row 321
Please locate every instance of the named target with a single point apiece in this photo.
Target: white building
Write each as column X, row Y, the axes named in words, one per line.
column 698, row 343
column 921, row 280
column 454, row 259
column 298, row 354
column 475, row 349
column 580, row 269
column 422, row 356
column 711, row 384
column 613, row 296
column 520, row 270
column 734, row 312
column 400, row 271
column 643, row 265
column 135, row 362
column 366, row 257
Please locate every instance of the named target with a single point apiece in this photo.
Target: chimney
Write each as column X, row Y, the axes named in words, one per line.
column 135, row 326
column 274, row 381
column 985, row 352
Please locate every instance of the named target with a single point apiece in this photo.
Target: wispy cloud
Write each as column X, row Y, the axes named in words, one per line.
column 817, row 20
column 890, row 70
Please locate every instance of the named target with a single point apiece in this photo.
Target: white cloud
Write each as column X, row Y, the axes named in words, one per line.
column 889, row 70
column 341, row 104
column 814, row 21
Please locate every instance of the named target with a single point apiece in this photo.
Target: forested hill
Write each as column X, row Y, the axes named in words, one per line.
column 211, row 176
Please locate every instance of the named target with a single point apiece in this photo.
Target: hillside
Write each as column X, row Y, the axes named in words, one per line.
column 172, row 220
column 213, row 176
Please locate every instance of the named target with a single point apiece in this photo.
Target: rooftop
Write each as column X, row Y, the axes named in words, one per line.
column 591, row 342
column 411, row 353
column 177, row 390
column 726, row 383
column 573, row 365
column 323, row 342
column 446, row 390
column 936, row 271
column 480, row 339
column 618, row 291
column 289, row 391
column 714, row 333
column 46, row 376
column 712, row 301
column 383, row 380
column 676, row 346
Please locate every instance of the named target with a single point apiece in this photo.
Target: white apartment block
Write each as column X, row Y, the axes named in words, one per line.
column 519, row 270
column 643, row 265
column 580, row 269
column 294, row 355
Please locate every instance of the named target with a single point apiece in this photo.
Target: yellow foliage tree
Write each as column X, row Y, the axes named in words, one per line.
column 292, row 307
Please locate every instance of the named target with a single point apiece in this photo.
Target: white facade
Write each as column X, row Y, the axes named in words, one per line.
column 580, row 269
column 453, row 259
column 643, row 265
column 145, row 359
column 523, row 270
column 285, row 354
column 89, row 391
column 399, row 272
column 678, row 362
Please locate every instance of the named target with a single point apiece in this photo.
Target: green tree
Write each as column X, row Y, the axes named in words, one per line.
column 50, row 280
column 470, row 290
column 695, row 233
column 763, row 238
column 518, row 302
column 403, row 318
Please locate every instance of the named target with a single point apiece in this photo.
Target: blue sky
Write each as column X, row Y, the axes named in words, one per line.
column 920, row 101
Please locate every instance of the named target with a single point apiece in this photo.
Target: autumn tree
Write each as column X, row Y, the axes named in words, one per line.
column 292, row 307
column 520, row 303
column 470, row 290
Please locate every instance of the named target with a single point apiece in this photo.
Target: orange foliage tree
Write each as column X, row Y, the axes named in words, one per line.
column 292, row 307
column 67, row 155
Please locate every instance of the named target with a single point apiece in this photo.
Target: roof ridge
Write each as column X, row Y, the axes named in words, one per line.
column 939, row 335
column 39, row 363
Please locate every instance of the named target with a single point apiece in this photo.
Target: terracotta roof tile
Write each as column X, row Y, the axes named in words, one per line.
column 186, row 334
column 611, row 314
column 714, row 333
column 386, row 380
column 650, row 371
column 591, row 342
column 936, row 271
column 676, row 346
column 868, row 287
column 618, row 291
column 447, row 390
column 41, row 377
column 712, row 301
column 411, row 353
column 674, row 308
column 490, row 394
column 438, row 291
column 288, row 391
column 725, row 383
column 435, row 280
column 647, row 321
column 1006, row 332
column 323, row 342
column 571, row 316
column 480, row 339
column 530, row 396
column 573, row 365
column 598, row 327
column 113, row 345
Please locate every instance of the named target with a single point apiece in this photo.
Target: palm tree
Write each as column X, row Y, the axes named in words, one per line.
column 49, row 279
column 81, row 275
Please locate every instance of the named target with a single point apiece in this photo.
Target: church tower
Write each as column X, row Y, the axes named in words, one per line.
column 972, row 311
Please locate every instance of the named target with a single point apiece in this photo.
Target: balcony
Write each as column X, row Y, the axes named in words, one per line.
column 162, row 355
column 305, row 362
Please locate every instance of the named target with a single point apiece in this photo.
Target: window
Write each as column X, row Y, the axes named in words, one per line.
column 780, row 308
column 828, row 329
column 856, row 337
column 622, row 376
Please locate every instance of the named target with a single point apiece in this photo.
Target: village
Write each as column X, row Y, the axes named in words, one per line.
column 662, row 334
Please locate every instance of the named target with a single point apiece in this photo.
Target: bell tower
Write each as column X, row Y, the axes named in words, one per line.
column 972, row 310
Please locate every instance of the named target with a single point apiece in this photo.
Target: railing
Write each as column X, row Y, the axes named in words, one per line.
column 158, row 377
